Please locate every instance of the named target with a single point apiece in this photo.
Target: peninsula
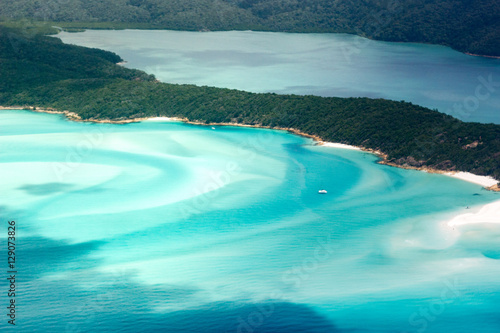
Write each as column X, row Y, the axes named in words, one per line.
column 42, row 72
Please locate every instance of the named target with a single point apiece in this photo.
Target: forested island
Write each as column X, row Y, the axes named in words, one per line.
column 468, row 26
column 41, row 71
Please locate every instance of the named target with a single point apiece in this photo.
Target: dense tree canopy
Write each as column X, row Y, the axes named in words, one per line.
column 466, row 25
column 41, row 71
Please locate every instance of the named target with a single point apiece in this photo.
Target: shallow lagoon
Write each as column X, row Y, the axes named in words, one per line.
column 164, row 226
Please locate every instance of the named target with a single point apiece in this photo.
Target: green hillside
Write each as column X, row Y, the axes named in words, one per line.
column 466, row 25
column 41, row 71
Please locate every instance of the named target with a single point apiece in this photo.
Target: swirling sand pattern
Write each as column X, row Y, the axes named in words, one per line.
column 163, row 226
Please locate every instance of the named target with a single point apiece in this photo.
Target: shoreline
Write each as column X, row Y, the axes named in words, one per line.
column 488, row 213
column 338, row 145
column 69, row 115
column 482, row 55
column 371, row 38
column 487, row 182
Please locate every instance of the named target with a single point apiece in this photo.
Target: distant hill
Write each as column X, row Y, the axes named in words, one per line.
column 471, row 26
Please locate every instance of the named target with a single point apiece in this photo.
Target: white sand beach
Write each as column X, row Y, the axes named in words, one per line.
column 337, row 145
column 485, row 181
column 467, row 176
column 162, row 119
column 489, row 213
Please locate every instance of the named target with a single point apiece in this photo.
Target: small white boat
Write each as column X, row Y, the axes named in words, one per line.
column 322, row 192
column 213, row 127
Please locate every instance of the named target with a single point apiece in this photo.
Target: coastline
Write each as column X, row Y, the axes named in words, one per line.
column 162, row 119
column 338, row 145
column 482, row 55
column 69, row 115
column 487, row 182
column 73, row 116
column 489, row 213
column 371, row 38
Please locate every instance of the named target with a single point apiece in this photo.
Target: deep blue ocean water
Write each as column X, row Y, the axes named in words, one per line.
column 168, row 227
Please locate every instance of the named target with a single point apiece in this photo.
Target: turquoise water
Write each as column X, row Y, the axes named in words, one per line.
column 437, row 77
column 169, row 227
